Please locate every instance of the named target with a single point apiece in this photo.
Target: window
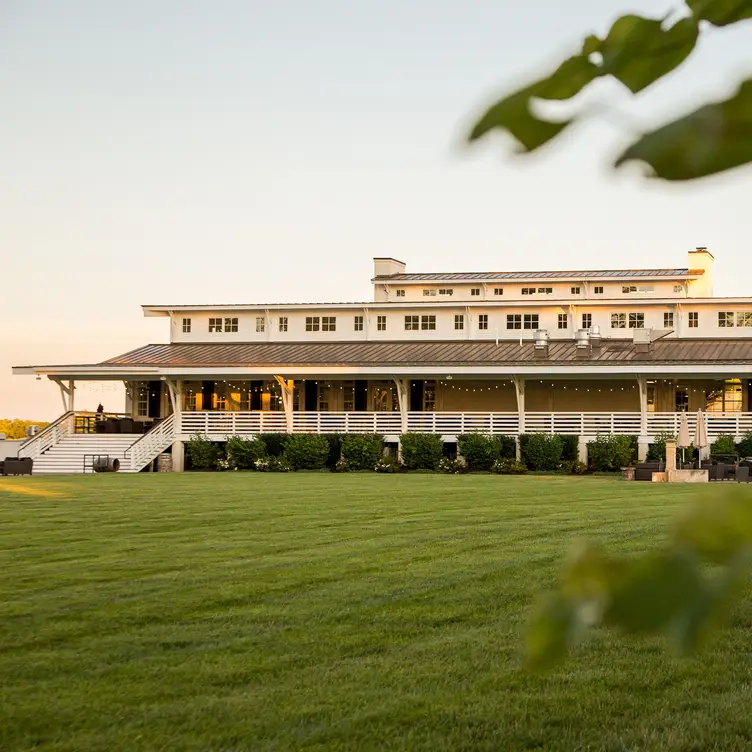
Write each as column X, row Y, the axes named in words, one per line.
column 545, row 290
column 400, row 293
column 636, row 320
column 142, row 403
column 646, row 288
column 412, row 323
column 475, row 291
column 727, row 397
column 328, row 323
column 744, row 318
column 428, row 323
column 574, row 290
column 618, row 320
column 348, row 396
column 726, row 318
column 312, row 323
column 563, row 321
column 678, row 288
column 530, row 321
column 694, row 319
column 498, row 290
column 358, row 323
column 587, row 320
column 260, row 324
column 215, row 325
column 668, row 320
column 429, row 396
column 381, row 323
column 483, row 321
column 459, row 321
column 514, row 321
column 231, row 325
column 446, row 291
column 186, row 326
column 628, row 288
column 598, row 290
column 528, row 291
column 429, row 293
column 283, row 323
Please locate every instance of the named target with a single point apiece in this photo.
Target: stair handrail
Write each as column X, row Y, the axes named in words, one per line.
column 50, row 435
column 154, row 441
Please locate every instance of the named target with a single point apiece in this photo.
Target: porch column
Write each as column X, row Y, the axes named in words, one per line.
column 643, row 439
column 175, row 392
column 72, row 395
column 403, row 397
column 519, row 388
column 288, row 387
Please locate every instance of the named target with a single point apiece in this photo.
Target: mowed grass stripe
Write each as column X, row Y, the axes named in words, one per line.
column 319, row 611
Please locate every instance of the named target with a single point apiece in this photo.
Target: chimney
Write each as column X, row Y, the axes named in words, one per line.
column 642, row 339
column 388, row 267
column 701, row 265
column 595, row 338
column 582, row 344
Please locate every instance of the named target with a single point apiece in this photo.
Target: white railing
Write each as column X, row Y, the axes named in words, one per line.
column 48, row 437
column 154, row 442
column 219, row 425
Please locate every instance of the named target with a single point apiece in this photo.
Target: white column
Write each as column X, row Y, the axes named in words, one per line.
column 519, row 388
column 72, row 395
column 643, row 439
column 403, row 397
column 288, row 387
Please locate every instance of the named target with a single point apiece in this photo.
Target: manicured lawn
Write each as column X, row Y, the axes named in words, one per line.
column 333, row 612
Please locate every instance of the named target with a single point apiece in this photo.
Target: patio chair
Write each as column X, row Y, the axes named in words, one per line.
column 742, row 474
column 645, row 470
column 21, row 466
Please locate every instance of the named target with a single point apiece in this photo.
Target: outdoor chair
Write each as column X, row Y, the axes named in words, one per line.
column 742, row 474
column 21, row 466
column 645, row 470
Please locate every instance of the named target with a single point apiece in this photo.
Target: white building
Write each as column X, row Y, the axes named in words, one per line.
column 578, row 352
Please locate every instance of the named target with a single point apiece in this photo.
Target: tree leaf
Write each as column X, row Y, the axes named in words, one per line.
column 555, row 629
column 721, row 12
column 638, row 51
column 715, row 138
column 652, row 592
column 718, row 529
column 513, row 112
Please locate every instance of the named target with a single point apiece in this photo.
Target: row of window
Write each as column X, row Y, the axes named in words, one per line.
column 514, row 321
column 497, row 291
column 731, row 318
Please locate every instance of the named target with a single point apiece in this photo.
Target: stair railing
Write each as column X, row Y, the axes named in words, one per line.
column 37, row 445
column 153, row 442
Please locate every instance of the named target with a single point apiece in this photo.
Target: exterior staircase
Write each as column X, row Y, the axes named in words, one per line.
column 59, row 449
column 73, row 453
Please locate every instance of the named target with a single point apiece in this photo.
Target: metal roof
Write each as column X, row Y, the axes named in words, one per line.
column 584, row 274
column 443, row 354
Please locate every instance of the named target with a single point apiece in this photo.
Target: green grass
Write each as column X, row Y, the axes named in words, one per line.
column 334, row 612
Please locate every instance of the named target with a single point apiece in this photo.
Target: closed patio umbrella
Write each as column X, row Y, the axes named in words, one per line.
column 683, row 440
column 701, row 433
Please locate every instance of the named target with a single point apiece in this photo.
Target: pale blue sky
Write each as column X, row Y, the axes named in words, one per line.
column 159, row 151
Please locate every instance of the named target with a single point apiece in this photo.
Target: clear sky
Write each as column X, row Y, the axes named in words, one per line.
column 180, row 151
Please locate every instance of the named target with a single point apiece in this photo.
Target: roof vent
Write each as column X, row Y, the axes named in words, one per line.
column 582, row 339
column 540, row 344
column 642, row 339
column 595, row 337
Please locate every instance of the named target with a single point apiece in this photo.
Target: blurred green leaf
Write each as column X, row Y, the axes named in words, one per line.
column 653, row 591
column 556, row 628
column 715, row 138
column 719, row 527
column 721, row 12
column 513, row 113
column 638, row 51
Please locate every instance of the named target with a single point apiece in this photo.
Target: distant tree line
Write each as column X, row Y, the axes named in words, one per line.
column 16, row 428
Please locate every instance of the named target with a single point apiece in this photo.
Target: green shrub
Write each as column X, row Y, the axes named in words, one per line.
column 571, row 451
column 243, row 453
column 657, row 450
column 388, row 466
column 274, row 443
column 271, row 465
column 611, row 453
column 362, row 450
column 479, row 450
column 723, row 445
column 335, row 449
column 421, row 451
column 508, row 447
column 509, row 467
column 341, row 466
column 573, row 467
column 541, row 451
column 202, row 453
column 305, row 451
column 744, row 447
